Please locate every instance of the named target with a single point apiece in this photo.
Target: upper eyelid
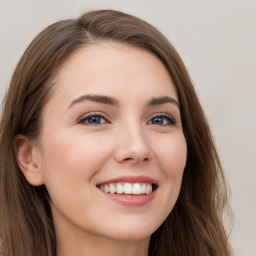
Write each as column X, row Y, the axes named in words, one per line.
column 94, row 113
column 161, row 114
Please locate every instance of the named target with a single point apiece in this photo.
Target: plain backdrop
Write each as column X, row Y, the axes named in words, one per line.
column 217, row 41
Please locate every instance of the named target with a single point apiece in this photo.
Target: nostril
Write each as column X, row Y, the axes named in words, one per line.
column 132, row 154
column 129, row 159
column 136, row 160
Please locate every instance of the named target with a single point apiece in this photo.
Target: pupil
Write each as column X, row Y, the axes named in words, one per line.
column 158, row 120
column 94, row 120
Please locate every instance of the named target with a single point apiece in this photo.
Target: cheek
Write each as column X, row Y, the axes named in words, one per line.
column 71, row 159
column 71, row 162
column 172, row 154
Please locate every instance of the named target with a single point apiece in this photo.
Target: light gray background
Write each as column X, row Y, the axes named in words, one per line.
column 216, row 40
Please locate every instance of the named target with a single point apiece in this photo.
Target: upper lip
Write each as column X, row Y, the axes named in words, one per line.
column 130, row 179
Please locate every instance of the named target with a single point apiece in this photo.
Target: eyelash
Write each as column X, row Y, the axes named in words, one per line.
column 85, row 120
column 170, row 120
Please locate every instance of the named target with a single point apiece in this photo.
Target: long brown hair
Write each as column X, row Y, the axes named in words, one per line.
column 194, row 226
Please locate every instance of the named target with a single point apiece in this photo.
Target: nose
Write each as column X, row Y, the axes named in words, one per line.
column 132, row 145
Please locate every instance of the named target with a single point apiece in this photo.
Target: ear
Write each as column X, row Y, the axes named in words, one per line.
column 29, row 159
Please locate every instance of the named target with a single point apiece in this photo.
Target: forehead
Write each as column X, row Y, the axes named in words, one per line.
column 115, row 69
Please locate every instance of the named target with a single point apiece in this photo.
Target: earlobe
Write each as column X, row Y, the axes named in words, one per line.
column 28, row 159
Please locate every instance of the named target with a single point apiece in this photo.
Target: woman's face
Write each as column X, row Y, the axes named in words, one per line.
column 114, row 124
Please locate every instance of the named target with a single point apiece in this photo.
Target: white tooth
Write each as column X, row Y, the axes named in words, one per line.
column 112, row 189
column 148, row 189
column 136, row 190
column 127, row 188
column 106, row 189
column 119, row 189
column 143, row 189
column 102, row 188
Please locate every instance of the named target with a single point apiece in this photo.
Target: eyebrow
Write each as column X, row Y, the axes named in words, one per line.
column 96, row 98
column 114, row 102
column 163, row 100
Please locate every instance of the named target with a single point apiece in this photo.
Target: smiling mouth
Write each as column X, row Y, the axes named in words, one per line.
column 126, row 188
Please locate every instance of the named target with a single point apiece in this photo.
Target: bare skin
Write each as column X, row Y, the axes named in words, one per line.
column 114, row 115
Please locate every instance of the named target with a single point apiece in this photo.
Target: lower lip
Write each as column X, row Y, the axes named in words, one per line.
column 131, row 200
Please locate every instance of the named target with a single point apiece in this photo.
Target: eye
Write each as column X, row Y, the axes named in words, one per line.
column 93, row 119
column 162, row 119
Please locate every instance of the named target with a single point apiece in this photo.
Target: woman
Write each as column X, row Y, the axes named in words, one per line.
column 105, row 148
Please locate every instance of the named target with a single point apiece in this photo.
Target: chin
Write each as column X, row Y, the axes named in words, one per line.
column 132, row 231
